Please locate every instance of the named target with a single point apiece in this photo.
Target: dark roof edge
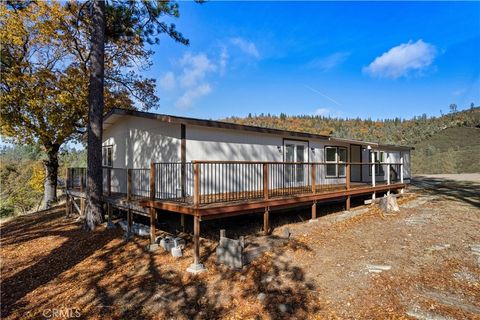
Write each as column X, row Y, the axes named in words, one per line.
column 210, row 123
column 398, row 147
column 234, row 126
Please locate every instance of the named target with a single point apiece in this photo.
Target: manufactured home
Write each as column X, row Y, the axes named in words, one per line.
column 212, row 169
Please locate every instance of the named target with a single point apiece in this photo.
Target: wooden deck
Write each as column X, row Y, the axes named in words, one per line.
column 214, row 190
column 226, row 205
column 220, row 209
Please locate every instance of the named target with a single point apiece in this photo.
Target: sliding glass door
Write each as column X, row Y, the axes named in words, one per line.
column 296, row 155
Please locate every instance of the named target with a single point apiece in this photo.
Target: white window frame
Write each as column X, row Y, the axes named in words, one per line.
column 299, row 171
column 335, row 162
column 106, row 152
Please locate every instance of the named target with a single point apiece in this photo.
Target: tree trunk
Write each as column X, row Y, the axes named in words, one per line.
column 51, row 175
column 95, row 117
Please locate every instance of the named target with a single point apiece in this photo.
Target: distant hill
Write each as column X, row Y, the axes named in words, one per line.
column 453, row 150
column 430, row 135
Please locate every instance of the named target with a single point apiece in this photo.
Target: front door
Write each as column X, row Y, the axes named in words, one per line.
column 296, row 155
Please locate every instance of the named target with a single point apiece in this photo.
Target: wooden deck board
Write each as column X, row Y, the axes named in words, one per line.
column 235, row 207
column 229, row 204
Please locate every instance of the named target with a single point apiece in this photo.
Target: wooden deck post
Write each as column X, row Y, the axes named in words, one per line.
column 183, row 159
column 153, row 213
column 109, row 181
column 129, row 221
column 196, row 184
column 347, row 184
column 266, row 226
column 67, row 187
column 373, row 173
column 82, row 189
column 152, row 181
column 313, row 178
column 110, row 224
column 314, row 211
column 265, row 181
column 347, row 176
column 196, row 266
column 401, row 174
column 67, row 196
column 182, row 221
column 388, row 174
column 196, row 240
column 129, row 185
column 129, row 198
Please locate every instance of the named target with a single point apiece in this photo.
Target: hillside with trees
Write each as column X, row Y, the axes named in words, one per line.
column 22, row 176
column 441, row 146
column 453, row 150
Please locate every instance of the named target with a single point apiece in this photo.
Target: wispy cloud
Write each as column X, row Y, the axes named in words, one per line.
column 223, row 60
column 329, row 62
column 248, row 47
column 195, row 71
column 459, row 92
column 323, row 95
column 195, row 68
column 192, row 80
column 167, row 81
column 401, row 60
column 192, row 94
column 322, row 112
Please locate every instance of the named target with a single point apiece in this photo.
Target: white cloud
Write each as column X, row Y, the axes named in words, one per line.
column 246, row 46
column 401, row 60
column 222, row 63
column 167, row 82
column 459, row 92
column 192, row 94
column 330, row 62
column 193, row 72
column 195, row 67
column 322, row 112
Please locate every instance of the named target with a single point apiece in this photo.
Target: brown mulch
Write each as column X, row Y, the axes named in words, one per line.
column 49, row 264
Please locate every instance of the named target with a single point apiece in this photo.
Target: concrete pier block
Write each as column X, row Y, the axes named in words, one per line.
column 196, row 268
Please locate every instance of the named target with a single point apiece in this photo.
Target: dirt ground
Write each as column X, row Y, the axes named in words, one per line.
column 473, row 177
column 421, row 263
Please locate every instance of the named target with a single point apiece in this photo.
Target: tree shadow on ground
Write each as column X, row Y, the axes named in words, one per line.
column 275, row 282
column 77, row 246
column 102, row 275
column 466, row 191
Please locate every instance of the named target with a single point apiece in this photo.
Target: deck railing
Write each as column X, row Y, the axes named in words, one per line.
column 206, row 182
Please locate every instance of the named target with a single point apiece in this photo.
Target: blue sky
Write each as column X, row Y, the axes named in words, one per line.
column 347, row 59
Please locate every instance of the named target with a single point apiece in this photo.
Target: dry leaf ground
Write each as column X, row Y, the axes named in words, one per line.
column 53, row 269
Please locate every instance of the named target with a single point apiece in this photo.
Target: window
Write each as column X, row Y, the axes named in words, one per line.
column 107, row 156
column 342, row 158
column 295, row 152
column 334, row 157
column 379, row 157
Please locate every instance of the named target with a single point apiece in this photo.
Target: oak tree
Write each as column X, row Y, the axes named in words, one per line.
column 46, row 65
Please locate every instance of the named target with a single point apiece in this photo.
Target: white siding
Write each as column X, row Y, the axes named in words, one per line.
column 115, row 136
column 138, row 141
column 205, row 143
